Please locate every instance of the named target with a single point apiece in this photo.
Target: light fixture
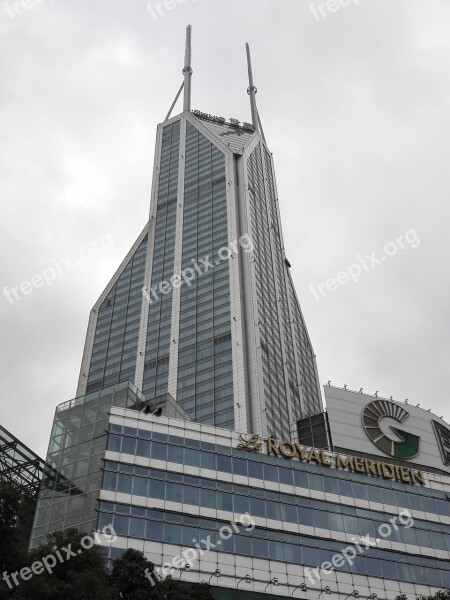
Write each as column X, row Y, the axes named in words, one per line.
column 355, row 594
column 216, row 573
column 187, row 568
column 247, row 579
column 373, row 596
column 301, row 587
column 326, row 590
column 273, row 581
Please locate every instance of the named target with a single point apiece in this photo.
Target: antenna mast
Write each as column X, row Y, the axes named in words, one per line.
column 187, row 71
column 252, row 91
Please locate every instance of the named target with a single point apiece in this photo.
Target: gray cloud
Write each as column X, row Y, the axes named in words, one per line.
column 355, row 110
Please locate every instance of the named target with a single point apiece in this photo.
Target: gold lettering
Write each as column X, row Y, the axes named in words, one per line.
column 314, row 455
column 287, row 449
column 301, row 450
column 345, row 464
column 417, row 477
column 272, row 446
column 370, row 467
column 405, row 474
column 359, row 465
column 397, row 472
column 379, row 469
column 325, row 460
column 388, row 471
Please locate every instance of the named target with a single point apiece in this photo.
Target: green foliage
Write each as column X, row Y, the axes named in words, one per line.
column 16, row 515
column 74, row 572
column 129, row 582
column 78, row 572
column 441, row 595
column 128, row 577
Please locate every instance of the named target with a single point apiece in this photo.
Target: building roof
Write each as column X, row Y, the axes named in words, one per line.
column 234, row 134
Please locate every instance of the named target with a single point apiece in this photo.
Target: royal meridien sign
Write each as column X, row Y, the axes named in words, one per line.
column 320, row 456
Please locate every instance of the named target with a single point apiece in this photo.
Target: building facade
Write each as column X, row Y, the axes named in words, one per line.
column 188, row 431
column 184, row 492
column 203, row 307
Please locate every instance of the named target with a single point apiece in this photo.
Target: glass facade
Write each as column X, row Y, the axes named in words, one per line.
column 270, row 326
column 271, row 542
column 72, row 476
column 194, row 208
column 289, row 374
column 116, row 336
column 205, row 379
column 156, row 367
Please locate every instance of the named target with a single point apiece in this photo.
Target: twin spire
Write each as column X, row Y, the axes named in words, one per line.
column 187, row 82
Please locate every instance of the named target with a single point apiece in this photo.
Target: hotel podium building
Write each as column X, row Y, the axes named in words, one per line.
column 198, row 402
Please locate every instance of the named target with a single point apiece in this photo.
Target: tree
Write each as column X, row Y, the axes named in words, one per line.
column 69, row 566
column 66, row 567
column 441, row 595
column 128, row 577
column 16, row 517
column 129, row 582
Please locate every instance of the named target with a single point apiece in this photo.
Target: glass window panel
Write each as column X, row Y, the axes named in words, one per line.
column 120, row 525
column 175, row 454
column 305, row 516
column 188, row 535
column 159, row 451
column 423, row 538
column 157, row 489
column 321, row 519
column 172, row 533
column 239, row 466
column 143, row 448
column 137, row 528
column 192, row 457
column 310, row 557
column 224, row 463
column 124, row 483
column 114, row 443
column 351, row 524
column 225, row 501
column 154, row 530
column 140, row 486
column 301, row 479
column 260, row 548
column 109, row 481
column 273, row 510
column 128, row 445
column 270, row 472
column 191, row 495
column 345, row 488
column 257, row 507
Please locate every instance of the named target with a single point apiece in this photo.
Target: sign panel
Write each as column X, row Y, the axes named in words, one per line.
column 380, row 427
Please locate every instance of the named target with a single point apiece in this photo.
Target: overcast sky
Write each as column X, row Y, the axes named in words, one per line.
column 355, row 107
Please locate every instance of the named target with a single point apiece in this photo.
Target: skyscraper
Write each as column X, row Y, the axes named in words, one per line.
column 202, row 319
column 203, row 307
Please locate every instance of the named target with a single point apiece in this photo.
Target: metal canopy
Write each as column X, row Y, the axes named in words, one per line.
column 19, row 464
